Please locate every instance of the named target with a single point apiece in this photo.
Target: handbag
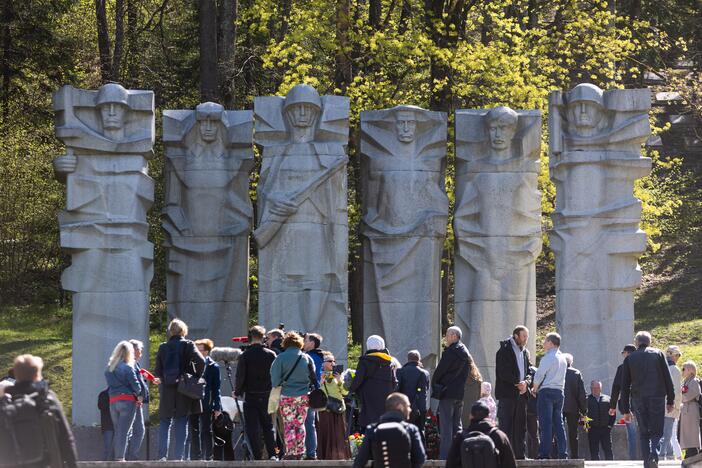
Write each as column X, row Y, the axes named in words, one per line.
column 190, row 385
column 334, row 405
column 317, row 399
column 274, row 397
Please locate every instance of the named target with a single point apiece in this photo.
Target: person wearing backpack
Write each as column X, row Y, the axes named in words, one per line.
column 173, row 359
column 448, row 386
column 413, row 381
column 34, row 431
column 481, row 444
column 392, row 442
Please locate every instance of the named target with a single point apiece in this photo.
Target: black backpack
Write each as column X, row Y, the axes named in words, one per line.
column 28, row 431
column 391, row 446
column 479, row 451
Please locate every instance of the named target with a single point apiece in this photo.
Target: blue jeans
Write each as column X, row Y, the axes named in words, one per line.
column 650, row 415
column 666, row 448
column 549, row 410
column 449, row 424
column 310, row 434
column 107, row 449
column 632, row 438
column 122, row 413
column 136, row 436
column 180, row 424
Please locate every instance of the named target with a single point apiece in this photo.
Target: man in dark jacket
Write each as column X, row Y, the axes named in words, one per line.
column 512, row 363
column 574, row 404
column 274, row 340
column 646, row 388
column 374, row 380
column 448, row 385
column 29, row 380
column 600, row 432
column 253, row 382
column 479, row 423
column 201, row 440
column 632, row 432
column 413, row 381
column 397, row 410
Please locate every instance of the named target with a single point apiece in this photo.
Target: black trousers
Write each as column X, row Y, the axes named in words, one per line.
column 201, row 440
column 512, row 418
column 532, row 436
column 258, row 424
column 600, row 436
column 420, row 421
column 571, row 420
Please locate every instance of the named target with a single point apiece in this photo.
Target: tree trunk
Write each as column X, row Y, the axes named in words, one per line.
column 343, row 67
column 405, row 15
column 132, row 44
column 119, row 40
column 227, row 50
column 7, row 16
column 374, row 12
column 285, row 8
column 208, row 51
column 103, row 41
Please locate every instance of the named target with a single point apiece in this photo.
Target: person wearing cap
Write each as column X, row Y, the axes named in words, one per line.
column 585, row 110
column 632, row 434
column 670, row 448
column 448, row 386
column 647, row 389
column 480, row 422
column 374, row 380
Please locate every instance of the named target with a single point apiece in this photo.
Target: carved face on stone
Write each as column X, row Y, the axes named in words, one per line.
column 208, row 129
column 501, row 126
column 302, row 115
column 585, row 115
column 406, row 125
column 113, row 115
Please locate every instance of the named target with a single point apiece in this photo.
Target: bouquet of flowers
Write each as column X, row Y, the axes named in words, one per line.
column 431, row 434
column 585, row 422
column 355, row 441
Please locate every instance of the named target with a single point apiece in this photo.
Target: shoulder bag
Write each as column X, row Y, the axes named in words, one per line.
column 190, row 385
column 274, row 397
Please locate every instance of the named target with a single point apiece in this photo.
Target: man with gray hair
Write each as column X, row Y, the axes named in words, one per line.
column 413, row 381
column 574, row 404
column 646, row 388
column 448, row 386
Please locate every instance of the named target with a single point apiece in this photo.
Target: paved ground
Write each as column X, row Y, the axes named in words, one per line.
column 627, row 464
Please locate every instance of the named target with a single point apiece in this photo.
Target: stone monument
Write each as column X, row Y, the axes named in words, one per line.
column 497, row 227
column 207, row 218
column 302, row 220
column 405, row 210
column 595, row 144
column 109, row 136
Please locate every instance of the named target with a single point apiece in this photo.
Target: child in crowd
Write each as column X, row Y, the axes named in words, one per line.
column 486, row 397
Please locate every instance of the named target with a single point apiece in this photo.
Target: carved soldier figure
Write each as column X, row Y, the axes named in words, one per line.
column 497, row 225
column 595, row 143
column 109, row 136
column 302, row 229
column 405, row 209
column 207, row 218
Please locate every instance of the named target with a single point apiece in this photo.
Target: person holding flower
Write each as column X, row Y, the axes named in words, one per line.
column 331, row 428
column 690, row 413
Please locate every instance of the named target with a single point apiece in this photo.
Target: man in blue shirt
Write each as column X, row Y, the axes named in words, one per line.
column 549, row 382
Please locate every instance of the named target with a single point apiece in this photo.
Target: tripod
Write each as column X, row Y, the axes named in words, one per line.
column 243, row 438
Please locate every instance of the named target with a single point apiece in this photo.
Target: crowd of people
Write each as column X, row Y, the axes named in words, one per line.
column 298, row 404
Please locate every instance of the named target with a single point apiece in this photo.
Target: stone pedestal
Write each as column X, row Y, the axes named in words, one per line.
column 109, row 136
column 302, row 225
column 497, row 225
column 595, row 142
column 405, row 209
column 207, row 218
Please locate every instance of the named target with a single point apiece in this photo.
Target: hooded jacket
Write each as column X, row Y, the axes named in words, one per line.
column 507, row 371
column 373, row 382
column 505, row 456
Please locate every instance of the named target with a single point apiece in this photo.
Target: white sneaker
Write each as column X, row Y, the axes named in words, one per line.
column 163, row 459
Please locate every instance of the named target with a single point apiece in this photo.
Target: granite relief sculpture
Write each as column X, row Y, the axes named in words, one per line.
column 405, row 210
column 302, row 220
column 109, row 136
column 207, row 218
column 497, row 227
column 595, row 157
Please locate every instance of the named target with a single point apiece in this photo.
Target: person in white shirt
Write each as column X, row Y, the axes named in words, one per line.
column 549, row 382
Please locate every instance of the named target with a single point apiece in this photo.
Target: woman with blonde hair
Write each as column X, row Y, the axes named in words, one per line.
column 331, row 429
column 294, row 371
column 473, row 392
column 690, row 412
column 124, row 393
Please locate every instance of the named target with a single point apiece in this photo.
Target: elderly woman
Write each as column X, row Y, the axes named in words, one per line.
column 173, row 358
column 125, row 395
column 294, row 371
column 331, row 429
column 374, row 380
column 690, row 413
